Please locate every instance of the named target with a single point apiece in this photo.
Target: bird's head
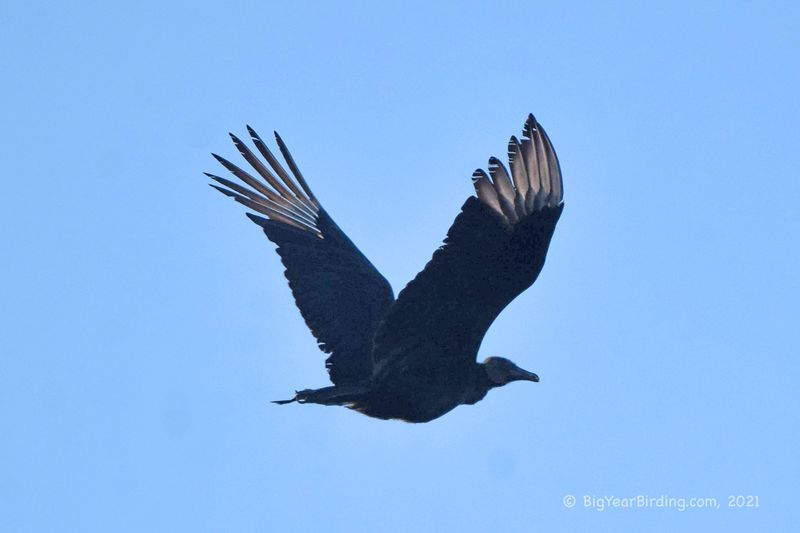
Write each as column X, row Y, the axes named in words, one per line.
column 501, row 371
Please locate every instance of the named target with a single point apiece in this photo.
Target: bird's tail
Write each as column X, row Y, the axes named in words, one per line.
column 336, row 395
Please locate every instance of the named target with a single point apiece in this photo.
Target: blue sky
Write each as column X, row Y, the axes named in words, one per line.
column 146, row 322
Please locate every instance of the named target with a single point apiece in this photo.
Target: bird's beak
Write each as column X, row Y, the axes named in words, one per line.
column 519, row 374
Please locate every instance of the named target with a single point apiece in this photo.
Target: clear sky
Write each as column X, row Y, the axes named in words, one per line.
column 145, row 322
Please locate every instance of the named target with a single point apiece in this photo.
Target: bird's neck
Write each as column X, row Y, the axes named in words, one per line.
column 480, row 387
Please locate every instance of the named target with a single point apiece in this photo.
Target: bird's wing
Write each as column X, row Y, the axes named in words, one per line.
column 494, row 250
column 340, row 294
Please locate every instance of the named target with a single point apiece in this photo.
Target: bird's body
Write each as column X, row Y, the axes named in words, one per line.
column 412, row 358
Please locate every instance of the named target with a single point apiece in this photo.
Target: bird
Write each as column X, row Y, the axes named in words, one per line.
column 414, row 357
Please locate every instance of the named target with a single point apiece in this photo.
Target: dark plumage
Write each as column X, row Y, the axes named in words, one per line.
column 410, row 358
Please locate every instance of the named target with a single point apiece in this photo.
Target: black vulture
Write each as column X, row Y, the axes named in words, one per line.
column 411, row 358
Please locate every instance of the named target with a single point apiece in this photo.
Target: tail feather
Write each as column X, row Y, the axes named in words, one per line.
column 284, row 402
column 336, row 395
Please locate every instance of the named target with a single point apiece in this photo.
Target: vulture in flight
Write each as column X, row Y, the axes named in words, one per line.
column 412, row 357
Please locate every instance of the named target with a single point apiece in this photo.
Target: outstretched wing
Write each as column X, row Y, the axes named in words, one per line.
column 494, row 250
column 340, row 294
